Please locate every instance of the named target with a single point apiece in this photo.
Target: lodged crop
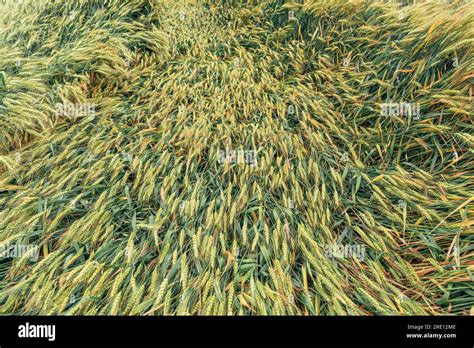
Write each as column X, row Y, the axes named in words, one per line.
column 207, row 157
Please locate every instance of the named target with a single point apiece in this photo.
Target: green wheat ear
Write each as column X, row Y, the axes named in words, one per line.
column 211, row 157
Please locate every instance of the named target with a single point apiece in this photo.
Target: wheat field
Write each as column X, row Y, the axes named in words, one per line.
column 207, row 157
